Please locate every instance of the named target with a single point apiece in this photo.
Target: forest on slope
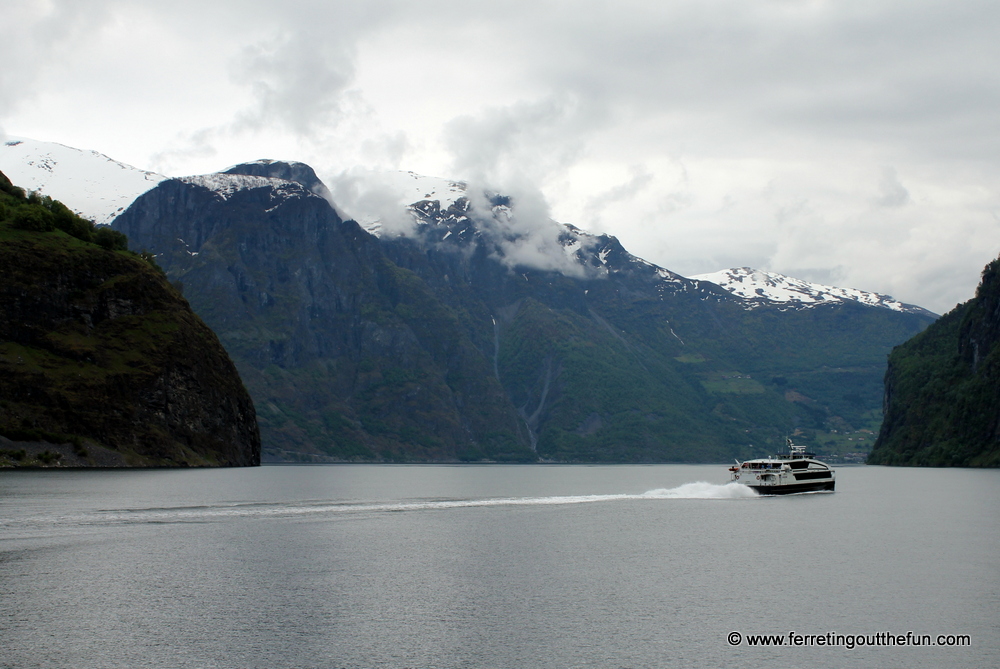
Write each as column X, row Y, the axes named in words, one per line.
column 942, row 388
column 102, row 361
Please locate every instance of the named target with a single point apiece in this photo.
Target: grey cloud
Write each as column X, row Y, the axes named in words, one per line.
column 37, row 35
column 370, row 197
column 298, row 81
column 892, row 193
column 810, row 94
column 387, row 150
column 828, row 276
column 300, row 69
column 521, row 142
column 639, row 180
column 603, row 202
column 510, row 151
column 886, row 72
column 523, row 233
column 198, row 144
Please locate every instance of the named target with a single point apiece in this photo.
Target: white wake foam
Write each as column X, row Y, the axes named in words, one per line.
column 704, row 490
column 319, row 508
column 698, row 490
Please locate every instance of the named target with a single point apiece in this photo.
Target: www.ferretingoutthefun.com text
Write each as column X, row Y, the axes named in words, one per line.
column 849, row 641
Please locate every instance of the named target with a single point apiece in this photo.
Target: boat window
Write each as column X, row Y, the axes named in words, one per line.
column 805, row 476
column 798, row 464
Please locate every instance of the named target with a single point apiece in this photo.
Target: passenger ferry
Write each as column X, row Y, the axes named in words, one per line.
column 795, row 471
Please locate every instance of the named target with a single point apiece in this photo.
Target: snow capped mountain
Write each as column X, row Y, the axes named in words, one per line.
column 431, row 209
column 760, row 287
column 416, row 188
column 443, row 213
column 90, row 183
column 544, row 245
column 289, row 170
column 607, row 253
column 225, row 185
column 383, row 201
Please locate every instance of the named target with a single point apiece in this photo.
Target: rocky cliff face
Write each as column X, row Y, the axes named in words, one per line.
column 942, row 388
column 443, row 345
column 299, row 173
column 980, row 330
column 102, row 362
column 347, row 355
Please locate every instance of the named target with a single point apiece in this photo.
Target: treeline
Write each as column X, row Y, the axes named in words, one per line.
column 40, row 213
column 34, row 212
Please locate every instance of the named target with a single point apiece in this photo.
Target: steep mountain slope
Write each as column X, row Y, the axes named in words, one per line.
column 723, row 372
column 942, row 389
column 102, row 362
column 479, row 335
column 347, row 355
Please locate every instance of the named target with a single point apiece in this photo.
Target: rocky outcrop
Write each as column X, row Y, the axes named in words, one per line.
column 103, row 359
column 980, row 330
column 348, row 356
column 300, row 173
column 942, row 389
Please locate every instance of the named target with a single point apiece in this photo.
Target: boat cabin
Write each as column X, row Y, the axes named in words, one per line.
column 769, row 463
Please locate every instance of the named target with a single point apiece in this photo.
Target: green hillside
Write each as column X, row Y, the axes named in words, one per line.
column 102, row 362
column 942, row 389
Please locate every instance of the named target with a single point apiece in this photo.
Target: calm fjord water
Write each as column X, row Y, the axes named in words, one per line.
column 490, row 566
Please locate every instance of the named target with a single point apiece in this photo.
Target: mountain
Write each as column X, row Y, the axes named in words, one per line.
column 347, row 355
column 761, row 366
column 758, row 287
column 102, row 362
column 942, row 388
column 455, row 324
column 475, row 330
column 92, row 185
column 755, row 287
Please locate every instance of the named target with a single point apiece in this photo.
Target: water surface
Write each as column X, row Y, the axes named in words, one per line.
column 490, row 566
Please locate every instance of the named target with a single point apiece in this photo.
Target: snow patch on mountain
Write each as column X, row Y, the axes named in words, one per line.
column 391, row 203
column 757, row 286
column 416, row 188
column 90, row 183
column 384, row 202
column 226, row 185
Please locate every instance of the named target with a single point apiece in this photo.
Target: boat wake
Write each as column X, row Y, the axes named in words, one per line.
column 704, row 490
column 326, row 508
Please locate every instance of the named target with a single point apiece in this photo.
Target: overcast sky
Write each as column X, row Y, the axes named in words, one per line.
column 855, row 143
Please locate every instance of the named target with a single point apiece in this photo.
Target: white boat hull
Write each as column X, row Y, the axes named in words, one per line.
column 769, row 476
